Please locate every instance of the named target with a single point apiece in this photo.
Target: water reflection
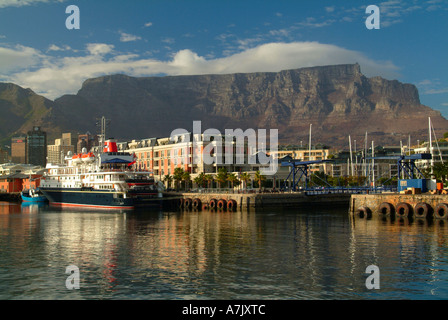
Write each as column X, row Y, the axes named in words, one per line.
column 413, row 253
column 218, row 255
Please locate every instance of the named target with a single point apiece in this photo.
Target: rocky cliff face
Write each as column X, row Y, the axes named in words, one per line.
column 337, row 100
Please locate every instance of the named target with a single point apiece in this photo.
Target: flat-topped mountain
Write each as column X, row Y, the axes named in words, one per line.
column 337, row 100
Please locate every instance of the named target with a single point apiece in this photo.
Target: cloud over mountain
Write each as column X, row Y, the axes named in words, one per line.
column 53, row 76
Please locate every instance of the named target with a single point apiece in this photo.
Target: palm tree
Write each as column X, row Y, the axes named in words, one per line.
column 245, row 177
column 209, row 178
column 221, row 177
column 177, row 175
column 200, row 179
column 259, row 177
column 232, row 178
column 168, row 179
column 187, row 178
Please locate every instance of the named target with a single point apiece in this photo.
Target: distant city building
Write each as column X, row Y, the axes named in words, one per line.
column 36, row 146
column 57, row 151
column 87, row 141
column 69, row 139
column 4, row 156
column 18, row 149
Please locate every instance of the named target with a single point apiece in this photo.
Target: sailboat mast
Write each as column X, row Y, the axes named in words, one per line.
column 430, row 144
column 309, row 147
column 351, row 155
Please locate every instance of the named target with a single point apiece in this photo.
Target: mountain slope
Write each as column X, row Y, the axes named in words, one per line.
column 20, row 109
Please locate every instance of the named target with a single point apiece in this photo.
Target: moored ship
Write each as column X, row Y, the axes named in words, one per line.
column 99, row 180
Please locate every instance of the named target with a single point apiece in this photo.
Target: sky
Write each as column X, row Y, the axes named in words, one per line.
column 184, row 37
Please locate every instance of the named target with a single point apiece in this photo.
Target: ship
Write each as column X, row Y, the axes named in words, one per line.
column 104, row 179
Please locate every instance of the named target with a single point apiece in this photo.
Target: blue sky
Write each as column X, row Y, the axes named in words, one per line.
column 155, row 37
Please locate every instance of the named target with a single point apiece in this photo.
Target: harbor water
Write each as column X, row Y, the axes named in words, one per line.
column 294, row 254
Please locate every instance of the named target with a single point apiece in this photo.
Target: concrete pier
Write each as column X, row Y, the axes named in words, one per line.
column 10, row 197
column 418, row 205
column 243, row 201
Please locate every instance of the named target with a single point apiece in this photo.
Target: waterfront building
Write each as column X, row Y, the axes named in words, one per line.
column 303, row 154
column 163, row 155
column 16, row 182
column 36, row 147
column 11, row 168
column 439, row 153
column 355, row 164
column 12, row 183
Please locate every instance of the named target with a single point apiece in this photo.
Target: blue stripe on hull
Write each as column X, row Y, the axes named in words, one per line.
column 78, row 197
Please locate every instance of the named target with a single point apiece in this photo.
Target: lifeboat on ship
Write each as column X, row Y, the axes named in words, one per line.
column 88, row 157
column 77, row 158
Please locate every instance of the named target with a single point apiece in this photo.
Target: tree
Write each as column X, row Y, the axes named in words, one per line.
column 245, row 177
column 318, row 178
column 209, row 178
column 259, row 177
column 177, row 175
column 200, row 180
column 167, row 179
column 221, row 177
column 232, row 178
column 186, row 177
column 440, row 171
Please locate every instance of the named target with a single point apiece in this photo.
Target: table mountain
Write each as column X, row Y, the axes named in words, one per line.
column 337, row 100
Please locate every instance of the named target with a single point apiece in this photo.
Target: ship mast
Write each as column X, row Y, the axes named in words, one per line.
column 102, row 123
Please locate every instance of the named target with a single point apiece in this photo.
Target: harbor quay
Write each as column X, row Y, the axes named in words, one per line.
column 420, row 206
column 246, row 201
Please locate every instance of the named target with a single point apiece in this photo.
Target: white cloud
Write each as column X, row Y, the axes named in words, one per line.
column 126, row 37
column 436, row 91
column 54, row 76
column 54, row 47
column 168, row 40
column 433, row 86
column 99, row 48
column 148, row 24
column 20, row 3
column 18, row 57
